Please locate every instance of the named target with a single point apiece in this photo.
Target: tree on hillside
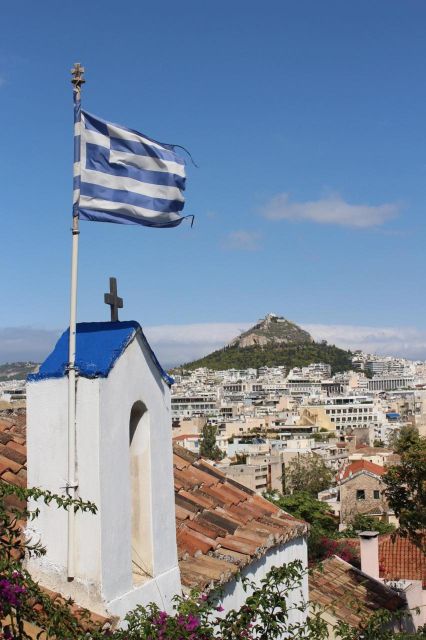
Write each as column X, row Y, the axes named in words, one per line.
column 406, row 488
column 307, row 473
column 208, row 446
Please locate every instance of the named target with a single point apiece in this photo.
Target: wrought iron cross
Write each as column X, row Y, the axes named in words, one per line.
column 113, row 300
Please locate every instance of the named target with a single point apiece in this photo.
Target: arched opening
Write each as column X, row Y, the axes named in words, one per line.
column 140, row 479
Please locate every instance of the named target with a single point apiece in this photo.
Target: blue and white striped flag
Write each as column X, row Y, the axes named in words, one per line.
column 122, row 176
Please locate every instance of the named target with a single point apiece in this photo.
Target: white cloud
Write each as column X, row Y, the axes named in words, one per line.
column 330, row 210
column 243, row 240
column 407, row 342
column 177, row 344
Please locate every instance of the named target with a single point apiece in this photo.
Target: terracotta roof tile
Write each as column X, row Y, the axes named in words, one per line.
column 210, row 469
column 401, row 559
column 241, row 512
column 228, row 521
column 189, row 505
column 10, row 451
column 242, row 545
column 350, row 594
column 13, row 478
column 236, row 557
column 190, row 542
column 185, row 478
column 359, row 466
column 7, row 463
column 200, row 498
column 206, row 571
column 182, row 514
column 179, row 463
column 13, row 456
column 219, row 497
column 200, row 523
column 202, row 477
column 216, row 517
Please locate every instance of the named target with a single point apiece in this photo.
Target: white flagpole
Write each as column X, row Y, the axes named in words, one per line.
column 72, row 483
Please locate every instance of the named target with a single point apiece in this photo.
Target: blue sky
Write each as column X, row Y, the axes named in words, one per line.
column 307, row 121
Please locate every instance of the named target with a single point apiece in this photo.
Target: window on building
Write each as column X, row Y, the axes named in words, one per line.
column 360, row 494
column 376, row 494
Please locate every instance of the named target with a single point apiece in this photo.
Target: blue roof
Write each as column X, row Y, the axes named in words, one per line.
column 99, row 345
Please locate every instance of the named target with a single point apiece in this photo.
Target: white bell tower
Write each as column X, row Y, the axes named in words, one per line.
column 125, row 554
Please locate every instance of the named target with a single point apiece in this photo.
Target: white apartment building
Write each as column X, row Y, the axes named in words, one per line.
column 187, row 406
column 352, row 411
column 340, row 412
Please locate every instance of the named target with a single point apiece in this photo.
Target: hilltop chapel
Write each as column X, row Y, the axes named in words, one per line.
column 166, row 521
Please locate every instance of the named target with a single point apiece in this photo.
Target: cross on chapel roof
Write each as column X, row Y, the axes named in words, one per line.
column 113, row 300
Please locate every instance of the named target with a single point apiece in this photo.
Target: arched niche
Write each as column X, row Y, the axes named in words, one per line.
column 140, row 481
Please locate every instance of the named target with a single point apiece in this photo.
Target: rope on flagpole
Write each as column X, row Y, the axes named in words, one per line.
column 72, row 484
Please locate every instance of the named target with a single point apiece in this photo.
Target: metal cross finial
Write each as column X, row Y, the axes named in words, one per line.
column 77, row 75
column 113, row 300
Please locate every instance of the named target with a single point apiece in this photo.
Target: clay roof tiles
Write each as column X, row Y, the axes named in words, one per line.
column 358, row 466
column 401, row 559
column 13, row 453
column 349, row 594
column 230, row 527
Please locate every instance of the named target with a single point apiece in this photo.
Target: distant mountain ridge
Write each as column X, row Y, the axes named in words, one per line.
column 274, row 341
column 16, row 370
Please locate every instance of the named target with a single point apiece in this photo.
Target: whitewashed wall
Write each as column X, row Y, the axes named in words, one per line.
column 234, row 595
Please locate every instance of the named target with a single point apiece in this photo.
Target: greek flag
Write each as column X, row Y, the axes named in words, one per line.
column 123, row 176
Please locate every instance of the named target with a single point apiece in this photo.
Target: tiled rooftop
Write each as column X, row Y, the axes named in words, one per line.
column 401, row 559
column 13, row 452
column 361, row 465
column 349, row 594
column 221, row 525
